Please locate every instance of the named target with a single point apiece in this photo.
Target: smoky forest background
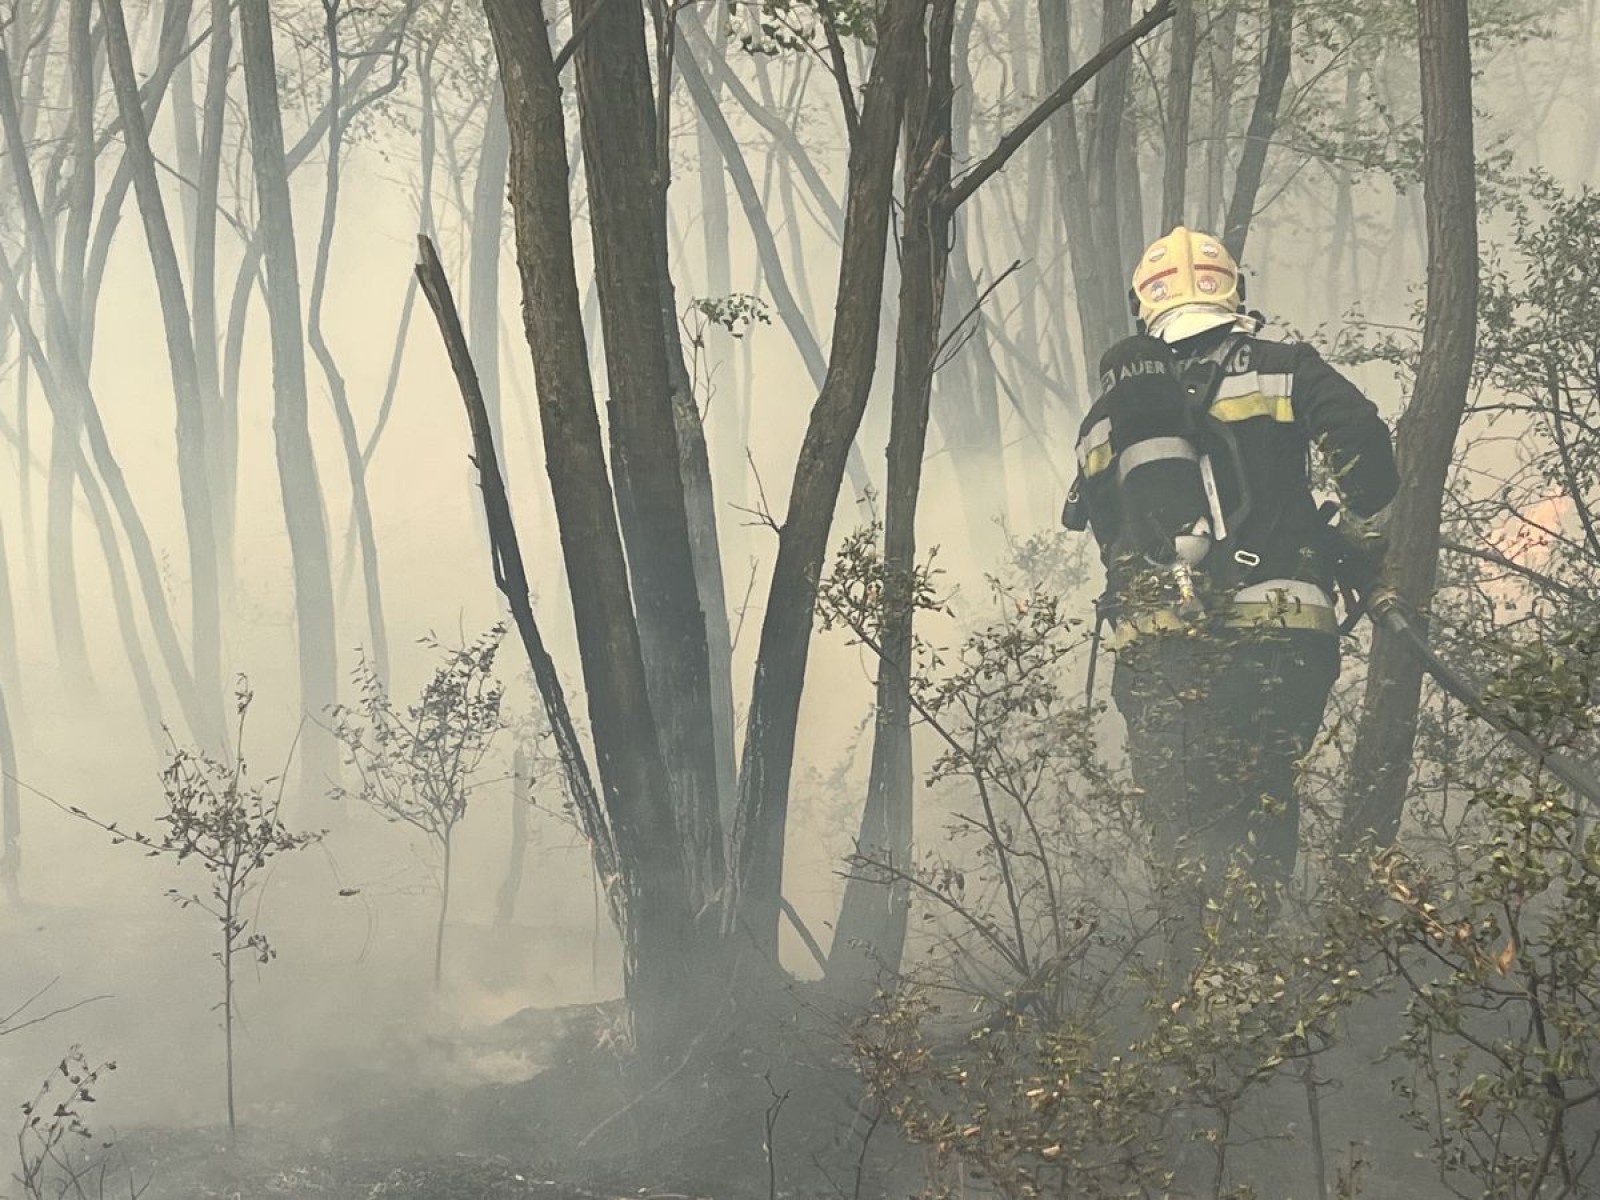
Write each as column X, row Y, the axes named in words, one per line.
column 538, row 656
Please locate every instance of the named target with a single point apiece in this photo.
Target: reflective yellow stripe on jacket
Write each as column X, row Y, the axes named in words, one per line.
column 1242, row 397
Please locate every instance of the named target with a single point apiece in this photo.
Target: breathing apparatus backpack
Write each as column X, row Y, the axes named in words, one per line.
column 1146, row 483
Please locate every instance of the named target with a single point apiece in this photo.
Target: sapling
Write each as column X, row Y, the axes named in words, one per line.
column 416, row 767
column 58, row 1156
column 217, row 818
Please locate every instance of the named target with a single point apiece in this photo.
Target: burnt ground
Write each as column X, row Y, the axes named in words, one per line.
column 580, row 1128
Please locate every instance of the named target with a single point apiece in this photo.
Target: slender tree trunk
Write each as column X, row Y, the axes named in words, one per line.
column 505, row 901
column 483, row 272
column 784, row 300
column 1100, row 328
column 803, row 537
column 222, row 427
column 1113, row 259
column 73, row 399
column 872, row 920
column 727, row 451
column 191, row 438
column 659, row 936
column 10, row 813
column 1220, row 40
column 62, row 401
column 1180, row 91
column 338, row 392
column 444, row 913
column 67, row 432
column 1381, row 763
column 297, row 469
column 1275, row 60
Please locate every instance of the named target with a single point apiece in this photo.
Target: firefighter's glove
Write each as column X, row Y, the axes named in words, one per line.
column 1364, row 546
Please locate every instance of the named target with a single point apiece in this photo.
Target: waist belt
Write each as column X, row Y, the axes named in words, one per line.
column 1274, row 604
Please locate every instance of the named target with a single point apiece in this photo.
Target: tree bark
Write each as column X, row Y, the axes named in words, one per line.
column 803, row 537
column 299, row 485
column 659, row 933
column 627, row 190
column 870, row 935
column 1381, row 762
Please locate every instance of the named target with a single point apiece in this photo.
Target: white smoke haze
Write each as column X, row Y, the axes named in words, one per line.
column 344, row 1021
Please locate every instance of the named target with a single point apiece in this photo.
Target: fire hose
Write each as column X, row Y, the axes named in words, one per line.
column 1387, row 609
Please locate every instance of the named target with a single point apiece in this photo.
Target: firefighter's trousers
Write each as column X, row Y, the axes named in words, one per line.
column 1216, row 727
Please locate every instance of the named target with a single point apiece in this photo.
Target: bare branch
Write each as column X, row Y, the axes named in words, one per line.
column 961, row 190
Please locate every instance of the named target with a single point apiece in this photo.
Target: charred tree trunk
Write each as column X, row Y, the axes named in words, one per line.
column 1381, row 765
column 870, row 936
column 626, row 186
column 299, row 485
column 803, row 537
column 659, row 932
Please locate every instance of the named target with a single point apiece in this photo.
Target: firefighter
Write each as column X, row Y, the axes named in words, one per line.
column 1194, row 475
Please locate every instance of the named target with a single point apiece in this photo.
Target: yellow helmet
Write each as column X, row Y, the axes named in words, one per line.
column 1185, row 284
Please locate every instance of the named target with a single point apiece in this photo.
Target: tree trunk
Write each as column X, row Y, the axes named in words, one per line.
column 627, row 190
column 338, row 392
column 1180, row 92
column 222, row 425
column 66, row 382
column 1275, row 59
column 505, row 901
column 1381, row 763
column 483, row 271
column 784, row 300
column 803, row 538
column 1221, row 39
column 10, row 815
column 193, row 485
column 659, row 936
column 1113, row 259
column 65, row 399
column 870, row 936
column 67, row 433
column 1099, row 326
column 299, row 485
